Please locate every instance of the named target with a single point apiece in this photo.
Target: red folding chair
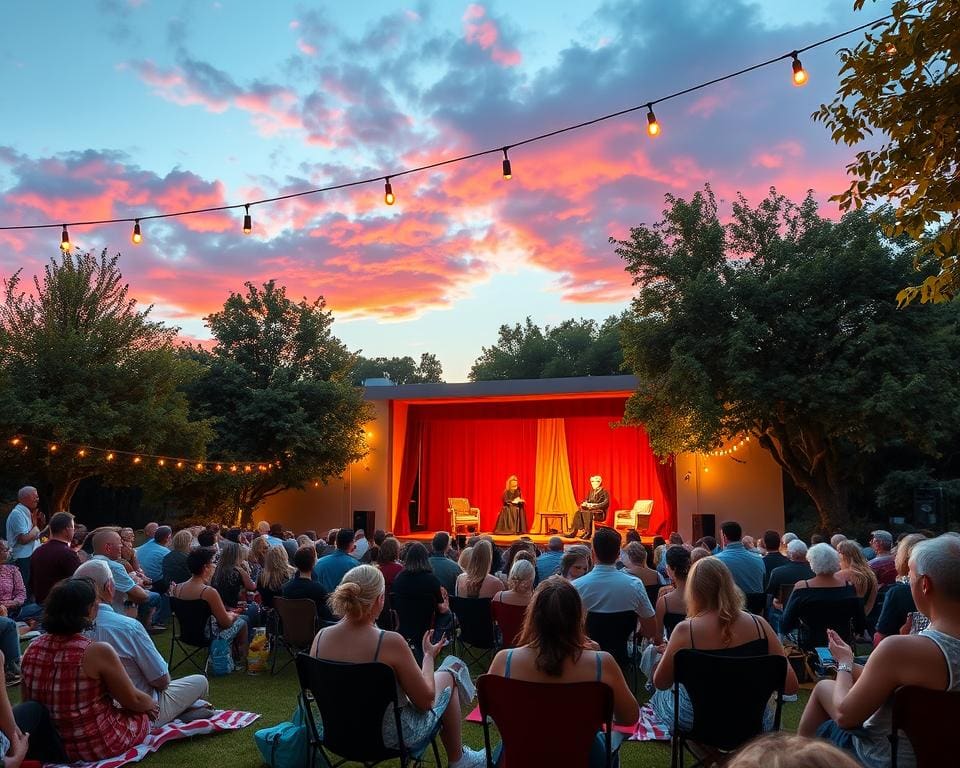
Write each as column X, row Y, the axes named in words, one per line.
column 510, row 620
column 927, row 718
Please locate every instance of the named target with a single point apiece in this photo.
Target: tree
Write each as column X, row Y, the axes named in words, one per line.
column 277, row 387
column 400, row 370
column 81, row 366
column 903, row 81
column 780, row 326
column 572, row 348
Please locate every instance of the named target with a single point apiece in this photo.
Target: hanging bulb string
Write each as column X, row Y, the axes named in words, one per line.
column 473, row 155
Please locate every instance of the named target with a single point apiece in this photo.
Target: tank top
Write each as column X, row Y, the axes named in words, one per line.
column 756, row 647
column 506, row 671
column 871, row 742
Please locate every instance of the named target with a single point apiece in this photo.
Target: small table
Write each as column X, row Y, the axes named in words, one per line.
column 550, row 520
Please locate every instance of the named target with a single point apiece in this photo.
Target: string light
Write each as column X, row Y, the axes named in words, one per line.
column 800, row 76
column 653, row 127
column 507, row 173
column 136, row 238
column 247, row 221
column 109, row 457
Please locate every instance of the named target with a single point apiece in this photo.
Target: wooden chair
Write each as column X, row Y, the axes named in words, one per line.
column 927, row 719
column 462, row 515
column 638, row 517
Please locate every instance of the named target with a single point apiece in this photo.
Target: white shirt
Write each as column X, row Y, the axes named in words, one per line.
column 19, row 522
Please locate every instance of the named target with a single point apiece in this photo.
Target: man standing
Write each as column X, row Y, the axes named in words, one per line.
column 331, row 568
column 746, row 566
column 884, row 564
column 548, row 563
column 150, row 556
column 106, row 547
column 444, row 568
column 595, row 505
column 139, row 656
column 52, row 561
column 22, row 534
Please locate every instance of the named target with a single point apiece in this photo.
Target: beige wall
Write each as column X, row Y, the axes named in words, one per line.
column 750, row 492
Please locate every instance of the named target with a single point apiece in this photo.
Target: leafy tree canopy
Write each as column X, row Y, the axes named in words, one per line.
column 79, row 363
column 780, row 325
column 400, row 370
column 572, row 348
column 903, row 82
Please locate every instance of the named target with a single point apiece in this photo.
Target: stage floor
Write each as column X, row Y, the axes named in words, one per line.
column 540, row 539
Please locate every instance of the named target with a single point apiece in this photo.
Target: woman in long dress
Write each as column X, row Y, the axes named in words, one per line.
column 512, row 518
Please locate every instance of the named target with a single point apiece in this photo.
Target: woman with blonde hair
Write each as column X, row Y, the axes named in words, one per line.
column 175, row 570
column 477, row 581
column 231, row 577
column 519, row 589
column 275, row 574
column 787, row 750
column 256, row 557
column 855, row 569
column 429, row 697
column 718, row 625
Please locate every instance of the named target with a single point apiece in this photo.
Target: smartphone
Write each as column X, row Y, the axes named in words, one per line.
column 437, row 636
column 826, row 658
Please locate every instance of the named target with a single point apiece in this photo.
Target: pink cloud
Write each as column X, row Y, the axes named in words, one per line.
column 478, row 30
column 306, row 48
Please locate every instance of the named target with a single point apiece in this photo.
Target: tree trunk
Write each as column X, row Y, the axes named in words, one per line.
column 62, row 494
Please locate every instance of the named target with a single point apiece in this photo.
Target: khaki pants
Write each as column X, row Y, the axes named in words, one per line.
column 179, row 695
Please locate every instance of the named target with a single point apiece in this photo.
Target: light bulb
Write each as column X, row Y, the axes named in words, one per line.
column 65, row 240
column 247, row 221
column 136, row 238
column 800, row 76
column 653, row 127
column 507, row 173
column 388, row 197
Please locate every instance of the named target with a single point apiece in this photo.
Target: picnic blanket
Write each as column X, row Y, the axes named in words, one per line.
column 647, row 728
column 222, row 720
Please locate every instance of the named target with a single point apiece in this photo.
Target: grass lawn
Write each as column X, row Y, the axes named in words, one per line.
column 274, row 699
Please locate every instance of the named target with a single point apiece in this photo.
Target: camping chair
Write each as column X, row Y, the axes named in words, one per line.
column 927, row 718
column 509, row 618
column 190, row 620
column 653, row 592
column 729, row 697
column 638, row 517
column 756, row 603
column 350, row 700
column 474, row 626
column 297, row 624
column 844, row 616
column 527, row 714
column 462, row 515
column 613, row 633
column 415, row 615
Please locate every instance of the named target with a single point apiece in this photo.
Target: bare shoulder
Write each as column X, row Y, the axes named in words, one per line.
column 802, row 584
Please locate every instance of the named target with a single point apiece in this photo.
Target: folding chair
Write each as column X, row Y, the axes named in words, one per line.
column 474, row 626
column 350, row 700
column 527, row 714
column 653, row 592
column 415, row 615
column 613, row 633
column 756, row 603
column 927, row 718
column 297, row 624
column 190, row 620
column 729, row 696
column 844, row 616
column 509, row 618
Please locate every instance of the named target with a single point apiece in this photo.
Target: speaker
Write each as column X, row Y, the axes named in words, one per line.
column 364, row 518
column 704, row 525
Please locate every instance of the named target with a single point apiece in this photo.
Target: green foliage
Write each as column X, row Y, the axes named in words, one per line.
column 277, row 388
column 903, row 82
column 780, row 325
column 400, row 370
column 572, row 348
column 80, row 363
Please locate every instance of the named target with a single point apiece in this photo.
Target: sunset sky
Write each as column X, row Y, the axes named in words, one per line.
column 117, row 108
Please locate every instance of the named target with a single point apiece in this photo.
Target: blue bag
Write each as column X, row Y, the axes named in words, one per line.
column 285, row 745
column 221, row 657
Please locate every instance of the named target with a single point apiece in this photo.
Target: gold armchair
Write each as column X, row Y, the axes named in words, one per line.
column 462, row 514
column 638, row 517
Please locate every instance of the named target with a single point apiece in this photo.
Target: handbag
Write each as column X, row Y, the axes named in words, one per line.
column 285, row 745
column 221, row 657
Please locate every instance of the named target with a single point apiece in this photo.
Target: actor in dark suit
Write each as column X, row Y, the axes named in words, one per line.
column 593, row 507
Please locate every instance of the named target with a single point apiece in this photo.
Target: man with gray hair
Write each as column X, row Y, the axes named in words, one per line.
column 22, row 533
column 837, row 539
column 884, row 564
column 855, row 711
column 106, row 547
column 177, row 699
column 796, row 570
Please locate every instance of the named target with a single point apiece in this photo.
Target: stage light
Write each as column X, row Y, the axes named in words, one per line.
column 65, row 240
column 653, row 127
column 800, row 76
column 507, row 173
column 388, row 197
column 247, row 221
column 136, row 238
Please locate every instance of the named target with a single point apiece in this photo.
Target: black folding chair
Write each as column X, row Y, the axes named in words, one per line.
column 190, row 627
column 350, row 700
column 297, row 624
column 474, row 630
column 729, row 696
column 927, row 718
column 415, row 615
column 756, row 603
column 613, row 632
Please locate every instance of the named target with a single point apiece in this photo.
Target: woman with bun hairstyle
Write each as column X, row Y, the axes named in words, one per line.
column 427, row 696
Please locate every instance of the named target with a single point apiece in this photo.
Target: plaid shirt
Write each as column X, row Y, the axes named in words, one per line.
column 11, row 585
column 90, row 726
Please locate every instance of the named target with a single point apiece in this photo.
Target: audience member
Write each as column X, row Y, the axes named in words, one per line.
column 150, row 555
column 13, row 594
column 747, row 568
column 175, row 570
column 417, row 581
column 330, row 568
column 76, row 543
column 883, row 564
column 149, row 530
column 787, row 750
column 855, row 569
column 548, row 564
column 22, row 534
column 709, row 543
column 553, row 649
column 106, row 546
column 520, row 545
column 787, row 538
column 898, row 615
column 519, row 589
column 477, row 581
column 774, row 558
column 388, row 563
column 78, row 679
column 329, row 546
column 634, row 559
column 817, row 538
column 231, row 579
column 717, row 625
column 463, row 563
column 276, row 574
column 444, row 568
column 749, row 543
column 257, row 555
column 360, row 544
column 672, row 604
column 302, row 584
column 607, row 590
column 795, row 570
column 698, row 553
column 836, row 540
column 574, row 564
column 127, row 552
column 139, row 656
column 855, row 710
column 207, row 540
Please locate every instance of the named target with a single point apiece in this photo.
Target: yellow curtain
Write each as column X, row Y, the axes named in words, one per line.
column 554, row 492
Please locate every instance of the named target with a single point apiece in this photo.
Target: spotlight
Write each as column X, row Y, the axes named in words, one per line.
column 507, row 173
column 653, row 127
column 388, row 197
column 136, row 238
column 800, row 75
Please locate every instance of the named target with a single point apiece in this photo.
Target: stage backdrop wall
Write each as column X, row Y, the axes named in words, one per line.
column 470, row 449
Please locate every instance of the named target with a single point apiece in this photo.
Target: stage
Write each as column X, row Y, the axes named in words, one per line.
column 505, row 540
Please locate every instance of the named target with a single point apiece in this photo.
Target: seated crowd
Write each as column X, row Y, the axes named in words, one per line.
column 93, row 682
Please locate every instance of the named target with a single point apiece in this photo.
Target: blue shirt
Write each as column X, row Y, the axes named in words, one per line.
column 121, row 581
column 137, row 652
column 745, row 565
column 548, row 564
column 273, row 541
column 446, row 570
column 607, row 590
column 151, row 557
column 331, row 568
column 19, row 522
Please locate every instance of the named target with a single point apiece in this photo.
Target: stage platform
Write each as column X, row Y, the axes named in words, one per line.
column 540, row 539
